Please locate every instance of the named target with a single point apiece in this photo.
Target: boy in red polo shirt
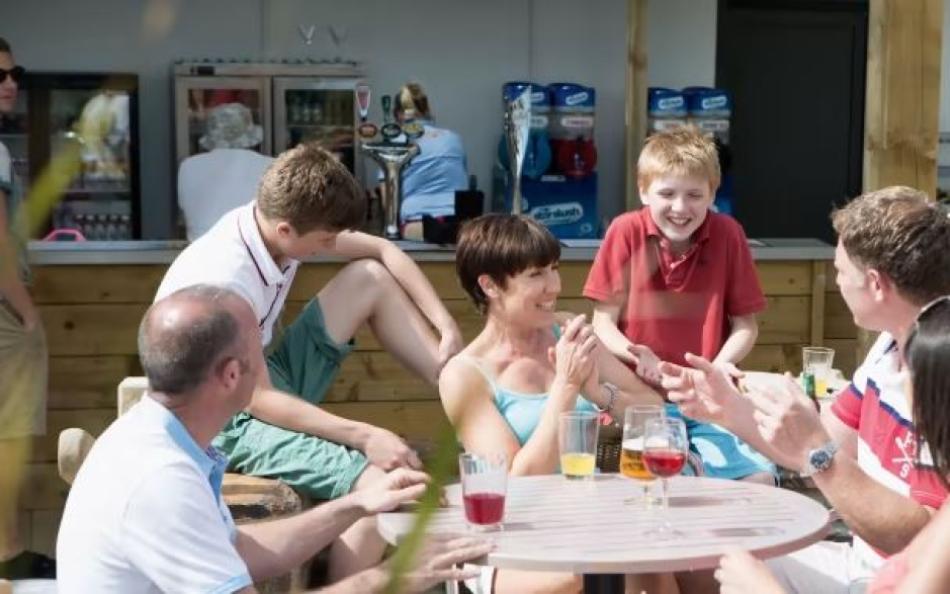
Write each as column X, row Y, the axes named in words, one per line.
column 673, row 278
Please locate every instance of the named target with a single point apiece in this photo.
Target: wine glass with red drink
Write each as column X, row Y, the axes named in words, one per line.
column 665, row 446
column 484, row 485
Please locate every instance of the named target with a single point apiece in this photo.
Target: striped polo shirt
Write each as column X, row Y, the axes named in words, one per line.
column 875, row 405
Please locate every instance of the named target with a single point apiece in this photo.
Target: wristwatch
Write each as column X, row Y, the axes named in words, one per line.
column 611, row 397
column 819, row 459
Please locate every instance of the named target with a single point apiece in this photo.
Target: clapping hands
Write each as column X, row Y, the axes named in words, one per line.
column 575, row 355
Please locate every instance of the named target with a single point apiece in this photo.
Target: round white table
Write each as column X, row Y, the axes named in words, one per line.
column 589, row 527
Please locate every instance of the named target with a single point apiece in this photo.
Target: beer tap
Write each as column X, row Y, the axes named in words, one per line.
column 517, row 126
column 392, row 156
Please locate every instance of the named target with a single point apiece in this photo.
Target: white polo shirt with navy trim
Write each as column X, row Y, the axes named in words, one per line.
column 145, row 514
column 232, row 254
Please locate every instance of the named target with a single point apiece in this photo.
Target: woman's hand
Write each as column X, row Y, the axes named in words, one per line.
column 574, row 355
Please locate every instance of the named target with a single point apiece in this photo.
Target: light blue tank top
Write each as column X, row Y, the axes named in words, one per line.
column 523, row 411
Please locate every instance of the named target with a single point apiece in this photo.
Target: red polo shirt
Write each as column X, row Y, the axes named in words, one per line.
column 676, row 304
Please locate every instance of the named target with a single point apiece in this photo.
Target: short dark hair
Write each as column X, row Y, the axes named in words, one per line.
column 501, row 246
column 5, row 46
column 177, row 359
column 900, row 233
column 927, row 352
column 311, row 189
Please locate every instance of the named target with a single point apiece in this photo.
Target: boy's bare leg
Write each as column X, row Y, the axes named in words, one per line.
column 513, row 581
column 365, row 291
column 360, row 546
column 700, row 581
column 651, row 583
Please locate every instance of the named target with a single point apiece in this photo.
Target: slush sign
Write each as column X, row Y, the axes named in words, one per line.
column 558, row 214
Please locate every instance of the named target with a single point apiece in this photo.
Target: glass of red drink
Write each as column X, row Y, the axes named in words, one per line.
column 665, row 446
column 484, row 485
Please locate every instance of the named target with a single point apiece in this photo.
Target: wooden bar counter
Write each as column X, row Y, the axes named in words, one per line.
column 92, row 296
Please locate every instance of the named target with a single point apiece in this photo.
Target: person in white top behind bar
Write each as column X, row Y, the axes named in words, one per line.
column 218, row 181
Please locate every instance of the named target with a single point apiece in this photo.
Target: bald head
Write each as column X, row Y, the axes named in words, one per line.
column 183, row 336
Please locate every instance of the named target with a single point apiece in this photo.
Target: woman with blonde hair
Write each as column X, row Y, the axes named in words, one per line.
column 431, row 178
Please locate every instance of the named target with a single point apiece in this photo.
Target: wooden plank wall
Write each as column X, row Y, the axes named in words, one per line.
column 91, row 314
column 902, row 99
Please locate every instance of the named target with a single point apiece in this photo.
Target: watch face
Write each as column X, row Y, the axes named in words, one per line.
column 820, row 459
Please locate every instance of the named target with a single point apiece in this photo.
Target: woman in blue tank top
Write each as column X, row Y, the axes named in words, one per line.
column 506, row 389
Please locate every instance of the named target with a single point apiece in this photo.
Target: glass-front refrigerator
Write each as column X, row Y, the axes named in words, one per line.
column 196, row 96
column 292, row 101
column 322, row 111
column 96, row 114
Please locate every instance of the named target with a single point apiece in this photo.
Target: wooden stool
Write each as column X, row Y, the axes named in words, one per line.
column 253, row 499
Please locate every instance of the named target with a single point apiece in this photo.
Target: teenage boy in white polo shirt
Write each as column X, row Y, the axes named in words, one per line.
column 307, row 204
column 892, row 258
column 145, row 513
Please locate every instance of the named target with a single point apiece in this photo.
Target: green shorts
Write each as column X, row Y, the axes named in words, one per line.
column 303, row 362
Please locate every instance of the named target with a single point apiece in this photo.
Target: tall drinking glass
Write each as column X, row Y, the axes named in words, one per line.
column 665, row 446
column 484, row 486
column 816, row 367
column 577, row 441
column 631, row 448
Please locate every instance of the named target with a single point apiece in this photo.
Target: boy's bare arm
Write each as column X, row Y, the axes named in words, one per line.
column 354, row 244
column 381, row 446
column 604, row 320
column 742, row 334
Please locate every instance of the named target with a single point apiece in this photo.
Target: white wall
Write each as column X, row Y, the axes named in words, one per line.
column 681, row 43
column 461, row 51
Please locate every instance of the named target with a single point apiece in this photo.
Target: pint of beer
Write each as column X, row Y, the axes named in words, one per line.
column 631, row 460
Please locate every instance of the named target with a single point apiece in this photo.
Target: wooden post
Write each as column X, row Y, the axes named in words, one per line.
column 636, row 96
column 902, row 100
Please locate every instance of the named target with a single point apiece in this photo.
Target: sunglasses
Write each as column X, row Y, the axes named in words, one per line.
column 16, row 73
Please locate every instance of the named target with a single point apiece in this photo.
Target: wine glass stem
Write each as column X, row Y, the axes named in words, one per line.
column 666, row 496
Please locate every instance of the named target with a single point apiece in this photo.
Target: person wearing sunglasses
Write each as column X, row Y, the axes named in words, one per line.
column 23, row 358
column 892, row 258
column 924, row 566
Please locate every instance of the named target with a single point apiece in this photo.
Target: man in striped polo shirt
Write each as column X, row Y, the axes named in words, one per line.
column 892, row 259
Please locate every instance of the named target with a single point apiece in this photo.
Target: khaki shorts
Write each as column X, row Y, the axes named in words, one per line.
column 23, row 377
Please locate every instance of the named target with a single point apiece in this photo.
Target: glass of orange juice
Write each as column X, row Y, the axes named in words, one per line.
column 817, row 361
column 577, row 442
